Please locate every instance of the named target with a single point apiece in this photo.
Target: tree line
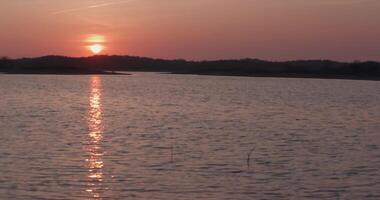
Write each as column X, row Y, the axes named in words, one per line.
column 242, row 67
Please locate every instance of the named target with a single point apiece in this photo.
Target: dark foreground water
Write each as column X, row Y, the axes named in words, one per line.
column 151, row 136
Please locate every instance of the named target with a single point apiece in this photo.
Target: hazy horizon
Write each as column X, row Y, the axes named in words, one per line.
column 191, row 60
column 342, row 30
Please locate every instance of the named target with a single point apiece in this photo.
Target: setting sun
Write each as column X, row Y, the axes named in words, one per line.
column 95, row 43
column 96, row 48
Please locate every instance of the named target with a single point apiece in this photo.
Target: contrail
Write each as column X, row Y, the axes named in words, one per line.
column 90, row 7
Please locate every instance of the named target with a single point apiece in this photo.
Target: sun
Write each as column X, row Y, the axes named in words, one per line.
column 95, row 43
column 96, row 48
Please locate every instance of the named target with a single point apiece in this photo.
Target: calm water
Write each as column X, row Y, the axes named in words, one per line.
column 152, row 136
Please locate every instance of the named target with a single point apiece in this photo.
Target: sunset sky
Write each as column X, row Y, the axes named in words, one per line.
column 344, row 30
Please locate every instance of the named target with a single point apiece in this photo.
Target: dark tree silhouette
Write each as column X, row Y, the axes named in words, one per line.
column 242, row 67
column 5, row 63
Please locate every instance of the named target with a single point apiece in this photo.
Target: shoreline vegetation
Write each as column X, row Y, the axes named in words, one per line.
column 104, row 64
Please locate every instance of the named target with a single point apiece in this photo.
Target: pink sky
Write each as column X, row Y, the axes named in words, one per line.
column 194, row 29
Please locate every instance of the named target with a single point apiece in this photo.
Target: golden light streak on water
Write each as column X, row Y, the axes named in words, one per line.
column 94, row 162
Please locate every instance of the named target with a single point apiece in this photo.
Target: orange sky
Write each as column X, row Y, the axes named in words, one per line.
column 194, row 29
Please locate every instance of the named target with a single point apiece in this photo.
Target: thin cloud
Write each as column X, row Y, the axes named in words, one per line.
column 339, row 2
column 90, row 7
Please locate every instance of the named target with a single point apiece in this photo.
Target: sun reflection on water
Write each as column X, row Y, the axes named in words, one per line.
column 94, row 150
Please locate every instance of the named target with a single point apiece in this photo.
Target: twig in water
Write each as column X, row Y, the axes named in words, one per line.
column 249, row 157
column 171, row 153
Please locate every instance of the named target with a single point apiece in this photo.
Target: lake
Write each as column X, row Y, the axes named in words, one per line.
column 163, row 136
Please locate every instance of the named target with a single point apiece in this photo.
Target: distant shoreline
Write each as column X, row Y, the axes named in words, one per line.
column 295, row 76
column 303, row 76
column 115, row 65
